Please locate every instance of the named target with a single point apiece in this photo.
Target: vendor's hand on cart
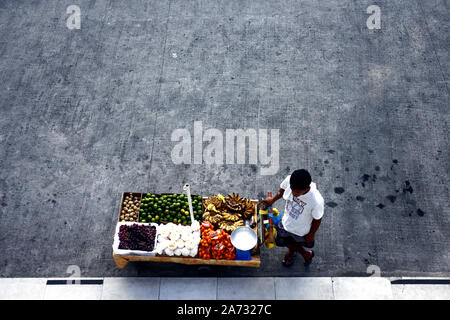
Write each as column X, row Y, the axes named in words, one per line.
column 267, row 202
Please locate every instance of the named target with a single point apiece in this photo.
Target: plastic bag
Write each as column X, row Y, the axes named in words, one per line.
column 218, row 251
column 204, row 252
column 274, row 216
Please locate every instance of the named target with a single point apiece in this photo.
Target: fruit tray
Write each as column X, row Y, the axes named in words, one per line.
column 116, row 242
column 160, row 208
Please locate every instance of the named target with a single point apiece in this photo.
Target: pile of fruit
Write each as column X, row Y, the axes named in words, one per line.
column 215, row 244
column 229, row 212
column 178, row 240
column 169, row 208
column 130, row 209
column 137, row 237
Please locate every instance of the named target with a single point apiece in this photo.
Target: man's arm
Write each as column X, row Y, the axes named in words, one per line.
column 269, row 201
column 314, row 227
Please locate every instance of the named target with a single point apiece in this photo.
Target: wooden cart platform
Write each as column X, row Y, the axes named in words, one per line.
column 255, row 261
column 122, row 261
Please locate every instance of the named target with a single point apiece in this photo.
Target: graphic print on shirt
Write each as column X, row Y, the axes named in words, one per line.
column 295, row 208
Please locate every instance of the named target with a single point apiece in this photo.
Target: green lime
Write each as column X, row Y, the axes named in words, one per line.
column 153, row 220
column 143, row 220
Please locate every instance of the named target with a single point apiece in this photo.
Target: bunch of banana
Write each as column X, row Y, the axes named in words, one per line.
column 212, row 217
column 212, row 208
column 231, row 216
column 249, row 209
column 227, row 213
column 234, row 203
column 217, row 201
column 229, row 226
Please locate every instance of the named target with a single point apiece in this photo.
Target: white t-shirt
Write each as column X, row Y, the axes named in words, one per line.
column 300, row 211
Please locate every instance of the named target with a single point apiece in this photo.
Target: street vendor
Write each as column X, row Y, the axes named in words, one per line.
column 302, row 215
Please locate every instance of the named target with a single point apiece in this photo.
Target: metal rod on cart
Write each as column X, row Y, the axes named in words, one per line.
column 187, row 188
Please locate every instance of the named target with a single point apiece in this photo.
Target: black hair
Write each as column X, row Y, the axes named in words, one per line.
column 300, row 179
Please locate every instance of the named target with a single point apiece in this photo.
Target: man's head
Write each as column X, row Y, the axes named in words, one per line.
column 300, row 181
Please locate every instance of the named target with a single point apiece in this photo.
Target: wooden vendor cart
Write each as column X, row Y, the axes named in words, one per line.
column 122, row 260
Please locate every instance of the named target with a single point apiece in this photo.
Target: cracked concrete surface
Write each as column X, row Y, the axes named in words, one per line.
column 87, row 114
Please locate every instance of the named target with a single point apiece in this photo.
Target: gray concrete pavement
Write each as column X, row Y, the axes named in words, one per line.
column 227, row 289
column 88, row 114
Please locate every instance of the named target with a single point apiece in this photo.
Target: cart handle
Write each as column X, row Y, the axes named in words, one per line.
column 187, row 188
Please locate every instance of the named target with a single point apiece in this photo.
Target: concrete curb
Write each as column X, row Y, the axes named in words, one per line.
column 212, row 288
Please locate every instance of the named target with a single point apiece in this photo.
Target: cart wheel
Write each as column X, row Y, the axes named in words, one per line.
column 204, row 269
column 120, row 262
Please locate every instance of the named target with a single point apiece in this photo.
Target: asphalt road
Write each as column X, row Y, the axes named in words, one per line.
column 88, row 113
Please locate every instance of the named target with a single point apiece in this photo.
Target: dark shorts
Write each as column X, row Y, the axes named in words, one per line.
column 285, row 238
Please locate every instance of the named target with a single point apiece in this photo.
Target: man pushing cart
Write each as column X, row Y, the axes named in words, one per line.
column 302, row 215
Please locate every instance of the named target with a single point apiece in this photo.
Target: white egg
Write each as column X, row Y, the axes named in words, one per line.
column 193, row 252
column 168, row 252
column 180, row 243
column 190, row 244
column 180, row 228
column 172, row 228
column 174, row 235
column 163, row 243
column 164, row 233
column 185, row 251
column 172, row 245
column 196, row 240
column 195, row 225
column 177, row 252
column 186, row 236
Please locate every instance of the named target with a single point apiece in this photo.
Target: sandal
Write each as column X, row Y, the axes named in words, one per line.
column 289, row 258
column 307, row 263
